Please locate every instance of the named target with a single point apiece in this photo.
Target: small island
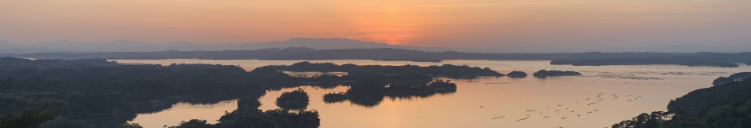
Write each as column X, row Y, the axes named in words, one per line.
column 335, row 97
column 411, row 59
column 517, row 74
column 297, row 99
column 545, row 73
column 370, row 94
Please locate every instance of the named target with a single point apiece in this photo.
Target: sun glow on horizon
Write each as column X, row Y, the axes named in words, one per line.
column 433, row 23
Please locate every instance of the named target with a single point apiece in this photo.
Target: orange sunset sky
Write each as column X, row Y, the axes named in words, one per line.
column 435, row 23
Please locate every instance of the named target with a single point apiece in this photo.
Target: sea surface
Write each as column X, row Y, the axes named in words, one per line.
column 487, row 102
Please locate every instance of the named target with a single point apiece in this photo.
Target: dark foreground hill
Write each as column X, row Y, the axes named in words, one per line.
column 721, row 106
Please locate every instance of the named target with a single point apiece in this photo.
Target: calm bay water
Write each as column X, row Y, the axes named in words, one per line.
column 530, row 102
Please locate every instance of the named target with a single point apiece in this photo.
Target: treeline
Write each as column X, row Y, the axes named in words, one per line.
column 297, row 99
column 517, row 74
column 10, row 62
column 277, row 79
column 371, row 94
column 302, row 53
column 732, row 78
column 723, row 106
column 247, row 115
column 98, row 93
column 549, row 73
column 298, row 53
column 433, row 70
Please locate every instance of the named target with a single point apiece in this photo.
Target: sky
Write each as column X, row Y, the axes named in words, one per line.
column 428, row 23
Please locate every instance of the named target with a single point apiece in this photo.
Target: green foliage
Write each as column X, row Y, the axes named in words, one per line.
column 699, row 102
column 723, row 106
column 729, row 116
column 30, row 118
column 645, row 120
column 731, row 78
column 65, row 123
column 724, row 116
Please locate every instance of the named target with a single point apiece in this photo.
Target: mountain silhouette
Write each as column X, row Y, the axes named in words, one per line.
column 131, row 46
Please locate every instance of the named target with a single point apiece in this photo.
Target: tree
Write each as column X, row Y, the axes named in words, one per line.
column 297, row 99
column 30, row 118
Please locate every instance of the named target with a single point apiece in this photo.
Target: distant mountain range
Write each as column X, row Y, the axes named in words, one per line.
column 391, row 54
column 128, row 46
column 336, row 43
